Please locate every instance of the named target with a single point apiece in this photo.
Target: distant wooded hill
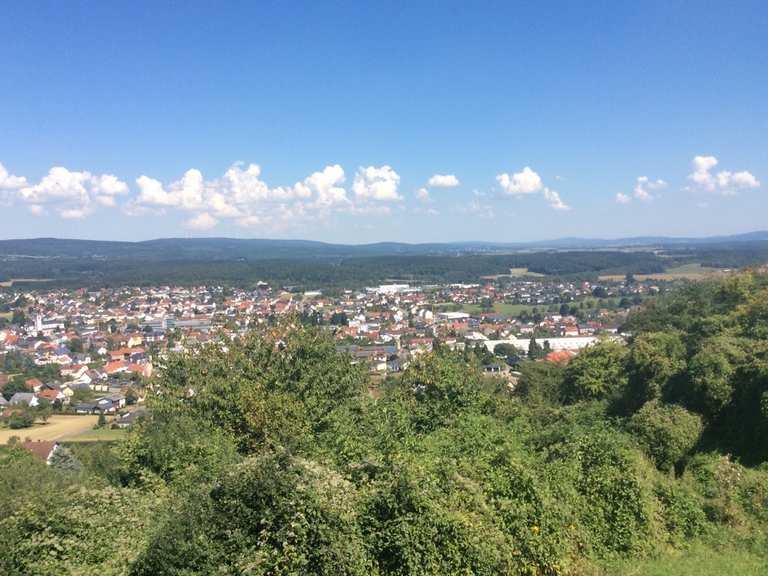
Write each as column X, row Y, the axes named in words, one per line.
column 304, row 263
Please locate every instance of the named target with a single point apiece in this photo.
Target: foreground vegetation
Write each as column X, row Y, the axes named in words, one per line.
column 270, row 456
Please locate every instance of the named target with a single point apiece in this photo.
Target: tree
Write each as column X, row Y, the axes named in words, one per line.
column 505, row 350
column 711, row 370
column 597, row 372
column 43, row 409
column 131, row 396
column 339, row 319
column 625, row 303
column 535, row 351
column 599, row 292
column 667, row 432
column 81, row 395
column 21, row 419
column 654, row 360
column 440, row 385
column 62, row 459
column 16, row 384
column 18, row 317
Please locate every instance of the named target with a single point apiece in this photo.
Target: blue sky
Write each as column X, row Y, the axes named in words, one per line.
column 327, row 120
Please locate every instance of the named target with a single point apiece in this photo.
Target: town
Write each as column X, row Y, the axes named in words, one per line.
column 93, row 352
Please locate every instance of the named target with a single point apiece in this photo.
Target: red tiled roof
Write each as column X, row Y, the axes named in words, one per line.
column 558, row 356
column 41, row 448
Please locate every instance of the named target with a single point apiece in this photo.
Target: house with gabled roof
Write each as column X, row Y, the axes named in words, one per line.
column 24, row 399
column 41, row 449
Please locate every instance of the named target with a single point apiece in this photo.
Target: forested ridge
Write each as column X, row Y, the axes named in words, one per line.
column 195, row 264
column 274, row 455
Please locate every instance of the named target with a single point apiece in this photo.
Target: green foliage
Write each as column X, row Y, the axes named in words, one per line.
column 13, row 386
column 668, row 433
column 76, row 531
column 541, row 382
column 275, row 390
column 270, row 456
column 62, row 459
column 598, row 372
column 654, row 360
column 682, row 513
column 21, row 419
column 81, row 395
column 273, row 514
column 439, row 386
column 183, row 449
column 710, row 373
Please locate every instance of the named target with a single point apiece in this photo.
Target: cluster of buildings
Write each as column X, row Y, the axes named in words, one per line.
column 107, row 341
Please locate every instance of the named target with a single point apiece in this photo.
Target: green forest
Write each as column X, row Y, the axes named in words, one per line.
column 328, row 270
column 273, row 455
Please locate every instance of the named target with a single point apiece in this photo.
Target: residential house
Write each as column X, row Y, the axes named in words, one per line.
column 24, row 399
column 41, row 449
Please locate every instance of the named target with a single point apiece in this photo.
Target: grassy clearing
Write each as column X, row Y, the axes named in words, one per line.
column 100, row 435
column 699, row 560
column 58, row 427
column 684, row 272
column 516, row 273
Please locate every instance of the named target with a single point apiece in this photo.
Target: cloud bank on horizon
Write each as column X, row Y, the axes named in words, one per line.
column 241, row 195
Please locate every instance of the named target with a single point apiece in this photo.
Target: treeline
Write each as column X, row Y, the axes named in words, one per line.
column 275, row 455
column 326, row 272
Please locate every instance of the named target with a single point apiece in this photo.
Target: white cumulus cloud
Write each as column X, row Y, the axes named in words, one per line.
column 554, row 200
column 244, row 197
column 528, row 181
column 9, row 181
column 645, row 188
column 524, row 182
column 202, row 222
column 70, row 193
column 725, row 183
column 377, row 183
column 422, row 195
column 622, row 198
column 443, row 181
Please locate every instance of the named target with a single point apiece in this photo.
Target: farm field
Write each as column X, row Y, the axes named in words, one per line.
column 58, row 427
column 12, row 281
column 516, row 273
column 684, row 272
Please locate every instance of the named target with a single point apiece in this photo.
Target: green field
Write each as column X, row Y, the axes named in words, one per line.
column 508, row 309
column 693, row 271
column 699, row 560
column 99, row 435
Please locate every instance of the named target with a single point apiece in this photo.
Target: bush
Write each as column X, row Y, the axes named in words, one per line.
column 667, row 432
column 597, row 372
column 682, row 513
column 20, row 420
